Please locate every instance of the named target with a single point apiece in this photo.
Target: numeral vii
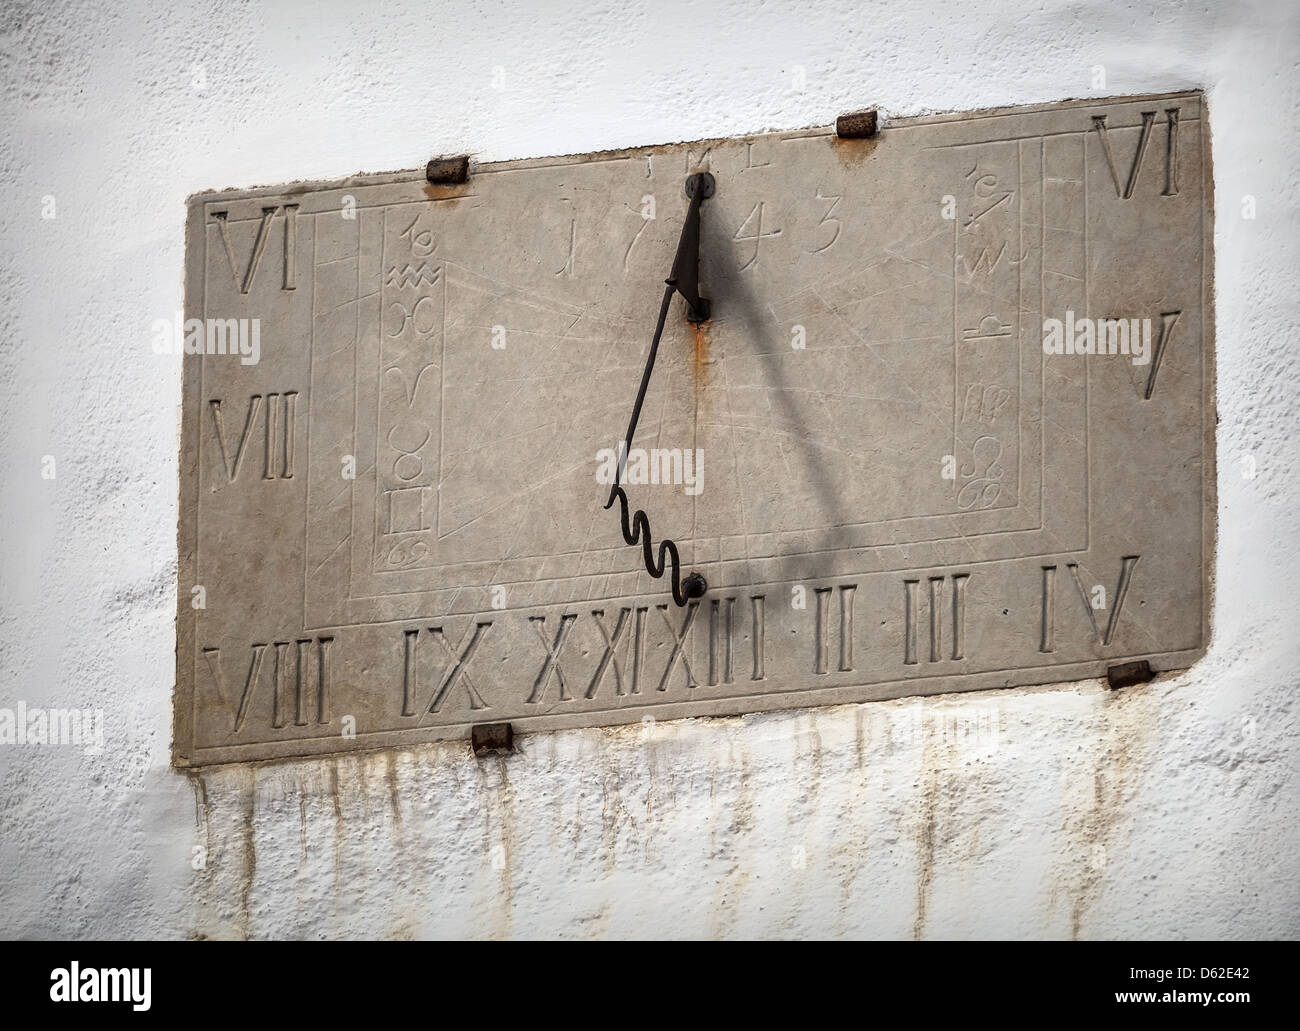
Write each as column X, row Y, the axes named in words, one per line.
column 278, row 406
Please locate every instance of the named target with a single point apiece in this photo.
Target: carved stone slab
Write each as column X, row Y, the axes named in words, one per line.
column 392, row 526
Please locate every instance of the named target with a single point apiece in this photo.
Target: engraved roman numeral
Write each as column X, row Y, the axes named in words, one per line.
column 276, row 404
column 259, row 246
column 213, row 657
column 301, row 695
column 1125, row 191
column 254, row 406
column 638, row 648
column 1168, row 320
column 722, row 618
column 1047, row 639
column 679, row 638
column 610, row 656
column 552, row 662
column 722, row 645
column 456, row 672
column 301, row 675
column 822, row 634
column 1171, row 153
column 911, row 592
column 722, row 639
column 290, row 406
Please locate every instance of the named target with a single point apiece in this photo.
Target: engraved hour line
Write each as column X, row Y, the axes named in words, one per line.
column 259, row 246
column 1125, row 191
column 286, row 403
column 552, row 662
column 911, row 591
column 324, row 677
column 1047, row 641
column 456, row 669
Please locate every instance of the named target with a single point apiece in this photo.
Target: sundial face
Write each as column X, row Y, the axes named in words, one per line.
column 392, row 523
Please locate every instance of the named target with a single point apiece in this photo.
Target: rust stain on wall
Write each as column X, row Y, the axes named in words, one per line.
column 1127, row 722
column 854, row 153
column 700, row 351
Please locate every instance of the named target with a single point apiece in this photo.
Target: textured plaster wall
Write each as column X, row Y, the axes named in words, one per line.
column 1164, row 810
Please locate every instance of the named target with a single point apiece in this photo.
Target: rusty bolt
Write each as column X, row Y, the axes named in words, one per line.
column 448, row 171
column 492, row 737
column 1126, row 674
column 856, row 125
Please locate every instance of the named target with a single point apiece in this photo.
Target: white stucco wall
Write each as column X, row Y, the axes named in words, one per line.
column 1164, row 810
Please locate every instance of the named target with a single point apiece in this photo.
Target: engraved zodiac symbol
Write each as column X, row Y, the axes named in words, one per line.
column 984, row 403
column 411, row 275
column 985, row 187
column 408, row 455
column 412, row 315
column 990, row 327
column 409, row 393
column 422, row 244
column 406, row 552
column 983, row 475
column 408, row 464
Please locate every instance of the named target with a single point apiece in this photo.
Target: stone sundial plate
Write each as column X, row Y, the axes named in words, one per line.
column 392, row 525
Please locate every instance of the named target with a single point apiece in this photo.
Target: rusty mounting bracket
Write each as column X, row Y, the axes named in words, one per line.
column 492, row 737
column 857, row 125
column 1126, row 674
column 448, row 171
